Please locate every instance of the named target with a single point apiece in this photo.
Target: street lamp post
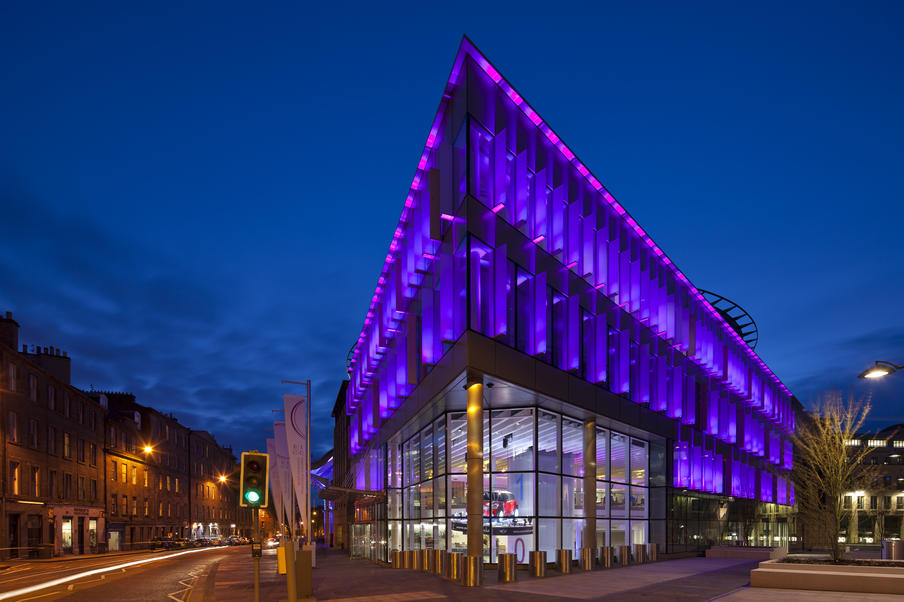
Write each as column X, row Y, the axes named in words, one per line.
column 880, row 369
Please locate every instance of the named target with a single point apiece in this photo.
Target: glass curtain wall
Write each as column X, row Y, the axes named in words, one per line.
column 533, row 485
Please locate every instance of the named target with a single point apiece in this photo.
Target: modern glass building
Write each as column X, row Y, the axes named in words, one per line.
column 535, row 373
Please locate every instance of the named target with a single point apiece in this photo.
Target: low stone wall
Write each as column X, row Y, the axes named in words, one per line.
column 829, row 577
column 750, row 553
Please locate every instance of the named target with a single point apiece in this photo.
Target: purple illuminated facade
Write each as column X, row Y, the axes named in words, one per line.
column 511, row 262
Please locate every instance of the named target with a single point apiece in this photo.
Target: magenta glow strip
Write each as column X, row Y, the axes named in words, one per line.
column 498, row 208
column 468, row 49
column 510, row 91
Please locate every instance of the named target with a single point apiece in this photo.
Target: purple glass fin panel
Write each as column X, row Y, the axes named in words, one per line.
column 500, row 291
column 541, row 301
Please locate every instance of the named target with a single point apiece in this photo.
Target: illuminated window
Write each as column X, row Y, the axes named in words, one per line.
column 852, row 442
column 899, row 444
column 876, row 443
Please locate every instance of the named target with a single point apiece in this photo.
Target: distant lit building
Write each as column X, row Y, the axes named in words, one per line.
column 877, row 512
column 214, row 488
column 524, row 315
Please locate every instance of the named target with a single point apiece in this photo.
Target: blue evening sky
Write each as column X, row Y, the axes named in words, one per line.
column 196, row 198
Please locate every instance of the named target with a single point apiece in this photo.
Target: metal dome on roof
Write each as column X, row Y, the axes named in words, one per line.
column 736, row 316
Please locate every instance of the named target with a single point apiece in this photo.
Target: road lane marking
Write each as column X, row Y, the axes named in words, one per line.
column 57, row 569
column 188, row 586
column 63, row 580
column 40, row 596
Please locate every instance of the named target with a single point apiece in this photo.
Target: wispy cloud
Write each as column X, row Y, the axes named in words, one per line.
column 183, row 340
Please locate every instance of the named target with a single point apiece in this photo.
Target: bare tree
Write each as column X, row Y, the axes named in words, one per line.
column 827, row 467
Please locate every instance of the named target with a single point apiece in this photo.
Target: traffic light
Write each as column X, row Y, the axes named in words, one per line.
column 255, row 471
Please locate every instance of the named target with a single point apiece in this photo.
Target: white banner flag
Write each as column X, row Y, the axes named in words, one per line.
column 296, row 413
column 282, row 467
column 275, row 486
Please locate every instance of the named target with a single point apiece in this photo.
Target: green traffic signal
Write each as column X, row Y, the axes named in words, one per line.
column 253, row 479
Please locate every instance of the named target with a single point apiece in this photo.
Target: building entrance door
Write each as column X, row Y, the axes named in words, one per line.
column 33, row 532
column 66, row 539
column 14, row 535
column 92, row 535
column 81, row 535
column 114, row 541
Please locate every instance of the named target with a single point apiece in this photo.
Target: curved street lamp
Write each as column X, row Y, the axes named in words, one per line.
column 880, row 369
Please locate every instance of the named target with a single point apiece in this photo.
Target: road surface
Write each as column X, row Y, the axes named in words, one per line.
column 178, row 575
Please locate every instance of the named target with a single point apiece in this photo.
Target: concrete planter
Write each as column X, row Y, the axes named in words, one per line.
column 827, row 577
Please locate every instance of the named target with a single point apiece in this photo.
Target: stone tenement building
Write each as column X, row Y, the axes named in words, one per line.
column 52, row 442
column 214, row 498
column 91, row 471
column 146, row 466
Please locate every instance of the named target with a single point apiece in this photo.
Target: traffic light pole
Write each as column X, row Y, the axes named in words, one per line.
column 257, row 559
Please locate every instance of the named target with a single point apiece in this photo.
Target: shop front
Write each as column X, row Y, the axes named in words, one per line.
column 369, row 530
column 77, row 529
column 536, row 475
column 28, row 528
column 206, row 531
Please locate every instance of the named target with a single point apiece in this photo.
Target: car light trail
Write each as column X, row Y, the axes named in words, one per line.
column 34, row 588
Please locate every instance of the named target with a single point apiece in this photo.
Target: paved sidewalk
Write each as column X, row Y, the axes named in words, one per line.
column 337, row 577
column 684, row 579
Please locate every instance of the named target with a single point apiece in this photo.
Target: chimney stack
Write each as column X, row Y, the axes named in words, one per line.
column 9, row 331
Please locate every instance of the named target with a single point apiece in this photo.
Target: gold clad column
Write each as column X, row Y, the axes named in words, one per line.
column 589, row 491
column 474, row 456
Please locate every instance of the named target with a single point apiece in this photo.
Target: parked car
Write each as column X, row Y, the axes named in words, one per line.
column 502, row 504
